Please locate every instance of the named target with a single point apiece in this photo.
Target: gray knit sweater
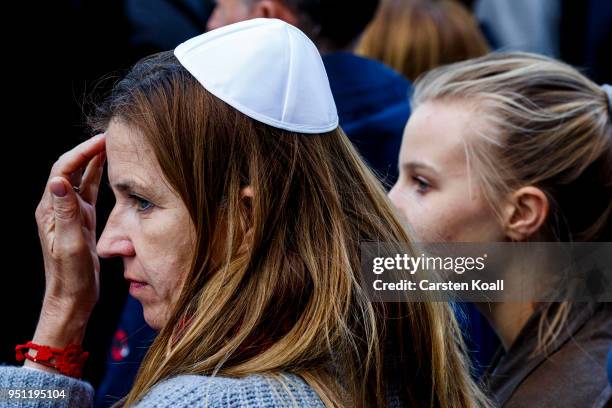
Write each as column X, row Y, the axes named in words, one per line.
column 179, row 392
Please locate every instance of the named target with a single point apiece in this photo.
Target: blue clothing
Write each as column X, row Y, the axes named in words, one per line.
column 481, row 341
column 183, row 391
column 610, row 365
column 373, row 107
column 129, row 346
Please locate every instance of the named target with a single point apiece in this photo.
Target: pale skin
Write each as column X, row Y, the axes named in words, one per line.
column 233, row 11
column 442, row 201
column 149, row 228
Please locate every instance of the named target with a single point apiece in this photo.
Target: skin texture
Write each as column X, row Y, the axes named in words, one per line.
column 149, row 227
column 229, row 12
column 233, row 11
column 435, row 191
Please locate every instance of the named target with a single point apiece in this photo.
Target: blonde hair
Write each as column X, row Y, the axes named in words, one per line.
column 414, row 36
column 541, row 123
column 291, row 300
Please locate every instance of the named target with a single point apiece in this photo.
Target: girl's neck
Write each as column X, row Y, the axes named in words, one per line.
column 507, row 319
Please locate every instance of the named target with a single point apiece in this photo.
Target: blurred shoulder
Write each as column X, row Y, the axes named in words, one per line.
column 250, row 391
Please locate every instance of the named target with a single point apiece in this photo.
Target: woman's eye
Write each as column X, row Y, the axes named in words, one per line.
column 141, row 203
column 422, row 185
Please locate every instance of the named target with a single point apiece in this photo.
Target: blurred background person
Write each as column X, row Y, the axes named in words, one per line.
column 414, row 36
column 577, row 32
column 522, row 25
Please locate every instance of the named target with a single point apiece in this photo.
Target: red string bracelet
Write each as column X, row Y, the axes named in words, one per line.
column 68, row 361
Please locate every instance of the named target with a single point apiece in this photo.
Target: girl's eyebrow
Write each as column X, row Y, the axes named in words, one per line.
column 419, row 165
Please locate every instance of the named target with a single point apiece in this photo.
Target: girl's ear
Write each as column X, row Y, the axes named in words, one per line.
column 525, row 213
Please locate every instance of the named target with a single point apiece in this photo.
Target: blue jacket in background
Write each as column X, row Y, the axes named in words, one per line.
column 128, row 348
column 373, row 107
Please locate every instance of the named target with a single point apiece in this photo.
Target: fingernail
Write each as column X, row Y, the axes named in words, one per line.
column 58, row 189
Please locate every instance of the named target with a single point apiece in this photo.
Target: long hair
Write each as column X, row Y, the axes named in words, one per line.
column 275, row 283
column 541, row 123
column 414, row 36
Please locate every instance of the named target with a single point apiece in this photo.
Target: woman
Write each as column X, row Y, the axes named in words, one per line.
column 511, row 147
column 414, row 36
column 240, row 208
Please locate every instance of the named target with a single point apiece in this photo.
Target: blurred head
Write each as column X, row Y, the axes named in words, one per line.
column 228, row 12
column 332, row 25
column 414, row 36
column 507, row 147
column 273, row 278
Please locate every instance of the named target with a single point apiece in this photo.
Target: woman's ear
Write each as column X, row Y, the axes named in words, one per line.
column 525, row 213
column 246, row 198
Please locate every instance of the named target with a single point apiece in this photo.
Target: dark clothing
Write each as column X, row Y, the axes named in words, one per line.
column 586, row 37
column 571, row 374
column 161, row 25
column 480, row 339
column 373, row 107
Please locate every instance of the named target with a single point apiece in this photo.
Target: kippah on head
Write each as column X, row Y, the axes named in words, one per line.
column 266, row 69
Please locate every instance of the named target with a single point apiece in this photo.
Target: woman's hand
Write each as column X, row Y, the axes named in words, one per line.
column 67, row 229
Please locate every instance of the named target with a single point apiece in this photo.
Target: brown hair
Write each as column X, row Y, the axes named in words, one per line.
column 291, row 300
column 414, row 36
column 543, row 124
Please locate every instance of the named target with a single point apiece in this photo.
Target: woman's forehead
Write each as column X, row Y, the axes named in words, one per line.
column 121, row 137
column 129, row 154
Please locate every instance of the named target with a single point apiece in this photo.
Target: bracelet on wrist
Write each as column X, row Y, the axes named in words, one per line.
column 68, row 361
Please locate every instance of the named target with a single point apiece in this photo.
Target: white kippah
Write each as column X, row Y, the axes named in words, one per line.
column 266, row 69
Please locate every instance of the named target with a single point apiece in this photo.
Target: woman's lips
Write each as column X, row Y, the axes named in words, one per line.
column 136, row 286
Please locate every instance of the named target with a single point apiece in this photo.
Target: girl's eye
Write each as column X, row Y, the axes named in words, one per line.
column 422, row 185
column 141, row 203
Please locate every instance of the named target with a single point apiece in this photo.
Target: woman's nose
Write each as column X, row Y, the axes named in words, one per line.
column 114, row 242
